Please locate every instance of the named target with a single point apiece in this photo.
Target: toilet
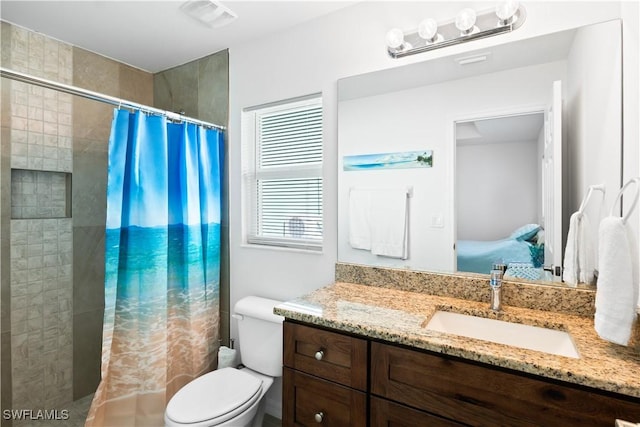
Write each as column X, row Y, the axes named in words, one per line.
column 235, row 396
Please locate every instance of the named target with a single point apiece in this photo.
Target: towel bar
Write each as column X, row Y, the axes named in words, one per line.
column 592, row 188
column 636, row 181
column 409, row 189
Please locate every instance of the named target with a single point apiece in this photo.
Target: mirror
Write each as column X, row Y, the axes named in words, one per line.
column 427, row 106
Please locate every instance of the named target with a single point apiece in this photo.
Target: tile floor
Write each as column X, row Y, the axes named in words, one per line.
column 78, row 411
column 270, row 421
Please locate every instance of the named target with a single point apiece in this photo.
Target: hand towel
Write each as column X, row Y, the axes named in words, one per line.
column 389, row 223
column 617, row 287
column 579, row 256
column 360, row 218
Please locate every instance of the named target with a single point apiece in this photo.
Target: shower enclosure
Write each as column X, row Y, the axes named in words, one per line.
column 53, row 172
column 52, row 219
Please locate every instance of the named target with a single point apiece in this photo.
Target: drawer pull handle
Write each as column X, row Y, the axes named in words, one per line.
column 318, row 417
column 319, row 356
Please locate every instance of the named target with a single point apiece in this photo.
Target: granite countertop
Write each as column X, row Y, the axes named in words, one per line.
column 399, row 317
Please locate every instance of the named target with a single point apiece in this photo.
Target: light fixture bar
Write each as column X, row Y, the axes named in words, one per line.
column 486, row 24
column 451, row 42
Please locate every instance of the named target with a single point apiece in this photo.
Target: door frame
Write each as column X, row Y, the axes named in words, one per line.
column 514, row 110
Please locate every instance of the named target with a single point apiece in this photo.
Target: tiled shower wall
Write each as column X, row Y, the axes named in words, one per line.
column 52, row 259
column 52, row 264
column 38, row 319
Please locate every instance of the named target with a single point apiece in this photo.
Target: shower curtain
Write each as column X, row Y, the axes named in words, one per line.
column 162, row 266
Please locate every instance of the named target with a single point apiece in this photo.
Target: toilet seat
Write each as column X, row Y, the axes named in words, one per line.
column 214, row 397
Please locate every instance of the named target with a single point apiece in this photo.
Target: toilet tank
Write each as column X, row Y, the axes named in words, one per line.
column 260, row 335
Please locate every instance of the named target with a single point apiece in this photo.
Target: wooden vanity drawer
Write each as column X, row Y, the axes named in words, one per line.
column 329, row 355
column 385, row 413
column 311, row 401
column 486, row 396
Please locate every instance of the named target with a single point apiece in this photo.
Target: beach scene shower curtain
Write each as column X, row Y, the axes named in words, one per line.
column 161, row 322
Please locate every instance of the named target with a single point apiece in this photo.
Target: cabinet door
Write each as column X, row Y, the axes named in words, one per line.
column 485, row 396
column 310, row 401
column 385, row 413
column 325, row 354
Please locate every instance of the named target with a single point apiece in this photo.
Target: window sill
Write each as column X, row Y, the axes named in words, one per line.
column 282, row 248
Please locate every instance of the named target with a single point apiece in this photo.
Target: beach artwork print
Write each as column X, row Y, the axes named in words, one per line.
column 404, row 160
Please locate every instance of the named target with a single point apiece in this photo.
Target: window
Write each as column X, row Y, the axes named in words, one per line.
column 283, row 173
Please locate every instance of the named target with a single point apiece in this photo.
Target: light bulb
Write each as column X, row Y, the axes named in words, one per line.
column 395, row 38
column 465, row 20
column 428, row 29
column 506, row 10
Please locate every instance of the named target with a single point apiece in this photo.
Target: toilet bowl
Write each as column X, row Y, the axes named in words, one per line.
column 226, row 397
column 235, row 396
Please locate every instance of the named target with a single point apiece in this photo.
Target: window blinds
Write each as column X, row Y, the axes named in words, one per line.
column 287, row 183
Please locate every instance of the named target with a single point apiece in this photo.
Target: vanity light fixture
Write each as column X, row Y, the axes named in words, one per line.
column 428, row 30
column 395, row 40
column 466, row 22
column 506, row 11
column 468, row 25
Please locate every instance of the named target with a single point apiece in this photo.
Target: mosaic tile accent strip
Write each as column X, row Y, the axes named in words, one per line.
column 41, row 128
column 41, row 287
column 41, row 312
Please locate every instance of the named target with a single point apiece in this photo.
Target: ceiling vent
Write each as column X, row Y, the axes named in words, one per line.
column 213, row 14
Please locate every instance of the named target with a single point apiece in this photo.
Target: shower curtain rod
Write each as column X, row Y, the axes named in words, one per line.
column 96, row 96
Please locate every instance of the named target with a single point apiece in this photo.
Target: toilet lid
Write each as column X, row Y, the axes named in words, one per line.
column 217, row 396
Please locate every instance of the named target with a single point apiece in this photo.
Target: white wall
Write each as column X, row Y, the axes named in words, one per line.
column 631, row 103
column 485, row 197
column 311, row 58
column 592, row 157
column 423, row 118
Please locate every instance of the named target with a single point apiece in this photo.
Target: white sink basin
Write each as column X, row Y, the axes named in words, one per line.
column 515, row 334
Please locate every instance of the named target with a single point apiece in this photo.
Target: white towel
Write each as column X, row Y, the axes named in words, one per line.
column 579, row 256
column 389, row 223
column 360, row 218
column 617, row 287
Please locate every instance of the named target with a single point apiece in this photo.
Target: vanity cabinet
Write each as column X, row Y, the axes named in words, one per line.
column 482, row 395
column 354, row 381
column 324, row 379
column 385, row 413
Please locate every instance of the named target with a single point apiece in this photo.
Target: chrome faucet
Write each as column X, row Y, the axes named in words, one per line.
column 495, row 281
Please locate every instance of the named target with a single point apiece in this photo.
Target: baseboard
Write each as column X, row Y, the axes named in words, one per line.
column 273, row 407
